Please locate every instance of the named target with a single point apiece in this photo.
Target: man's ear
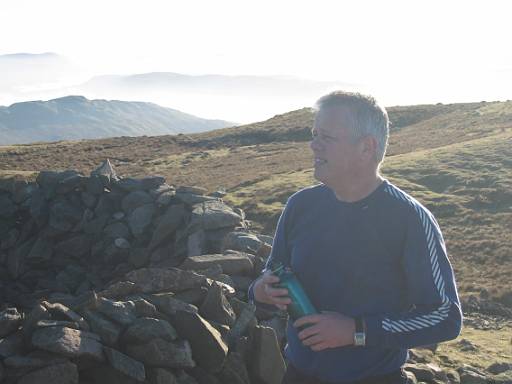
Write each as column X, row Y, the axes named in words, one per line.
column 369, row 147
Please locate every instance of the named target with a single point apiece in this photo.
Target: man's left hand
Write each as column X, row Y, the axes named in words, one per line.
column 326, row 330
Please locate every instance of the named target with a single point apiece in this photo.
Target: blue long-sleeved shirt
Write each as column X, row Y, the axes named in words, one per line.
column 382, row 258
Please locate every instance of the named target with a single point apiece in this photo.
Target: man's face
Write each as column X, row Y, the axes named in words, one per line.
column 336, row 155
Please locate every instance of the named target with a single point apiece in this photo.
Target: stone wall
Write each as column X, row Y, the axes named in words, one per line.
column 119, row 280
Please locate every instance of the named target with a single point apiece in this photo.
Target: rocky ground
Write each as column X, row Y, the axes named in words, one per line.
column 106, row 279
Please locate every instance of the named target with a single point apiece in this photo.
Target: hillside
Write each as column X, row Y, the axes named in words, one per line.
column 454, row 158
column 75, row 117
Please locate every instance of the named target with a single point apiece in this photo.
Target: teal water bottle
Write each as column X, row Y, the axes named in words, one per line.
column 300, row 305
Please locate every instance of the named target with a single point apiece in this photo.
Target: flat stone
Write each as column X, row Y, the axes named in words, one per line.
column 146, row 329
column 169, row 305
column 62, row 373
column 11, row 345
column 497, row 368
column 34, row 360
column 118, row 289
column 267, row 362
column 134, row 200
column 235, row 263
column 122, row 312
column 69, row 342
column 126, row 365
column 108, row 331
column 10, row 320
column 216, row 307
column 152, row 280
column 59, row 311
column 161, row 376
column 242, row 241
column 209, row 349
column 140, row 218
column 161, row 353
column 167, row 225
column 214, row 214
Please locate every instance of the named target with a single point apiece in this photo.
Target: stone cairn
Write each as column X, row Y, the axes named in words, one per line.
column 120, row 280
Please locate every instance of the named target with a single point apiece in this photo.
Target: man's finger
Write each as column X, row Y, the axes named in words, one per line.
column 309, row 319
column 308, row 332
column 313, row 340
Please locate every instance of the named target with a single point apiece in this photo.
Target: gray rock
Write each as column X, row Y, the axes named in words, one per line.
column 167, row 225
column 122, row 243
column 107, row 204
column 96, row 225
column 161, row 376
column 64, row 216
column 235, row 263
column 213, row 215
column 140, row 219
column 139, row 257
column 2, row 372
column 426, row 372
column 70, row 183
column 7, row 207
column 41, row 251
column 8, row 238
column 497, row 368
column 76, row 246
column 209, row 350
column 245, row 320
column 105, row 169
column 165, row 198
column 126, row 365
column 116, row 230
column 184, row 378
column 146, row 329
column 267, row 362
column 11, row 345
column 95, row 184
column 69, row 342
column 149, row 280
column 61, row 312
column 134, row 200
column 155, row 192
column 216, row 307
column 10, row 320
column 144, row 308
column 118, row 289
column 71, row 276
column 234, row 370
column 62, row 373
column 471, row 375
column 161, row 353
column 108, row 331
column 502, row 378
column 242, row 241
column 196, row 243
column 191, row 199
column 38, row 312
column 33, row 360
column 169, row 305
column 88, row 199
column 57, row 323
column 122, row 312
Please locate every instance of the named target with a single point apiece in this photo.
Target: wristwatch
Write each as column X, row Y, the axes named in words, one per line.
column 359, row 334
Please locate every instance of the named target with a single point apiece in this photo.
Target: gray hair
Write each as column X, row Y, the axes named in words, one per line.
column 365, row 115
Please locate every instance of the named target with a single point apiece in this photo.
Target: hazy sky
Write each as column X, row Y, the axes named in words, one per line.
column 405, row 52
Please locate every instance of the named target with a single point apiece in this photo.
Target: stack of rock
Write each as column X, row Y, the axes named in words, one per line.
column 119, row 280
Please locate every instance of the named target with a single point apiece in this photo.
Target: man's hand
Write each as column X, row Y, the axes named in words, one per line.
column 265, row 292
column 326, row 330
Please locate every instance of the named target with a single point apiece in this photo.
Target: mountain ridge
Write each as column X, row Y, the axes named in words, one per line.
column 75, row 117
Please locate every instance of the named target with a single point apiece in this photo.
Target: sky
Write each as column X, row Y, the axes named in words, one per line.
column 403, row 52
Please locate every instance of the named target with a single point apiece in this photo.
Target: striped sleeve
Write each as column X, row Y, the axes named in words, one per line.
column 433, row 310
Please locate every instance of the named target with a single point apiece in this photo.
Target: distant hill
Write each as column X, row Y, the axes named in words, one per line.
column 75, row 117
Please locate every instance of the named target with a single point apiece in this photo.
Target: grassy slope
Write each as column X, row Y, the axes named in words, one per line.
column 453, row 158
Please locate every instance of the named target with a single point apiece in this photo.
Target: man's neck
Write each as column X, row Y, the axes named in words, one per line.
column 358, row 189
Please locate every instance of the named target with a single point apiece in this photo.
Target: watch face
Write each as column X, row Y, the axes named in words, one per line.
column 359, row 339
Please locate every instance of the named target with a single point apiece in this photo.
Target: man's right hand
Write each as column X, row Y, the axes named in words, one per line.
column 266, row 292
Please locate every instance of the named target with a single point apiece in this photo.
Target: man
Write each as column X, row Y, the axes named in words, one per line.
column 370, row 257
